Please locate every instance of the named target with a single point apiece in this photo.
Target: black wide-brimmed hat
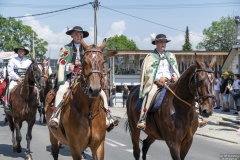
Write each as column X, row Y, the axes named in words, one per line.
column 160, row 37
column 78, row 28
column 23, row 48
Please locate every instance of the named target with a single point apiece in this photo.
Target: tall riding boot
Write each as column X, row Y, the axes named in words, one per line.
column 7, row 106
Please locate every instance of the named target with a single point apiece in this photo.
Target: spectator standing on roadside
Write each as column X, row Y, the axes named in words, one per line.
column 225, row 92
column 216, row 90
column 125, row 92
column 112, row 95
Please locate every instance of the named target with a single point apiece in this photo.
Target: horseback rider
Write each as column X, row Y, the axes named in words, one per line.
column 47, row 68
column 158, row 67
column 69, row 58
column 16, row 68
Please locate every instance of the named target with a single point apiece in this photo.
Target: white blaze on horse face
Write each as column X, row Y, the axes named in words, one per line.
column 40, row 67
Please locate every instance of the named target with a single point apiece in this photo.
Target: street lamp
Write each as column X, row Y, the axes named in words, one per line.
column 237, row 20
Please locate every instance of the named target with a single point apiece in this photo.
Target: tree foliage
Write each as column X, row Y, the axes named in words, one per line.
column 187, row 45
column 14, row 34
column 220, row 36
column 120, row 43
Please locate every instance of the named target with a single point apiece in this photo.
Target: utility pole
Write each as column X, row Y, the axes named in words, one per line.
column 33, row 46
column 95, row 7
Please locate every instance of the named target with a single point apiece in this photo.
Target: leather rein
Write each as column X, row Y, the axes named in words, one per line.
column 197, row 95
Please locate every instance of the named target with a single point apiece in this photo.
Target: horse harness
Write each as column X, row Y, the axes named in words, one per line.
column 198, row 98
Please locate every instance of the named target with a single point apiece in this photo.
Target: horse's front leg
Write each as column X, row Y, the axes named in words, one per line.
column 146, row 144
column 98, row 154
column 18, row 126
column 29, row 138
column 11, row 126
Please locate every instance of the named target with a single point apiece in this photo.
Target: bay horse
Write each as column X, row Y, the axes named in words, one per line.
column 49, row 84
column 24, row 103
column 82, row 122
column 106, row 82
column 176, row 120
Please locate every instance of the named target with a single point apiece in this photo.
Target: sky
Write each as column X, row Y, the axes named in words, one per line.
column 139, row 20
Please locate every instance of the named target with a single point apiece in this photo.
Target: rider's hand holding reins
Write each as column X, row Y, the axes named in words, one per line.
column 71, row 67
column 161, row 81
column 173, row 78
column 19, row 79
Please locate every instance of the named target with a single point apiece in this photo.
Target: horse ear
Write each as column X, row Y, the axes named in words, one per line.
column 103, row 45
column 213, row 61
column 84, row 45
column 199, row 63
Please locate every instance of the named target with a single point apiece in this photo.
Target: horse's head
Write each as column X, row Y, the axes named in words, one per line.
column 202, row 84
column 92, row 68
column 51, row 81
column 36, row 74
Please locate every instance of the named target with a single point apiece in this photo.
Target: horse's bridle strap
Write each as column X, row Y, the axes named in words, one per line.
column 165, row 85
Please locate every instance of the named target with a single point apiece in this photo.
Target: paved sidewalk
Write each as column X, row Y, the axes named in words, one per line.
column 216, row 128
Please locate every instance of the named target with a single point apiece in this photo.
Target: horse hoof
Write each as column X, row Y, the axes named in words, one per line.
column 28, row 157
column 19, row 150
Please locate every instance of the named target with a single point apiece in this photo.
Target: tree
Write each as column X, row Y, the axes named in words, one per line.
column 187, row 45
column 14, row 34
column 120, row 43
column 220, row 36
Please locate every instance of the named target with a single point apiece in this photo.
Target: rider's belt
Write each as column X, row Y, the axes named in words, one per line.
column 20, row 72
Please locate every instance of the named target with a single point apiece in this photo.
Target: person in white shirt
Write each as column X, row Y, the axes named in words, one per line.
column 216, row 90
column 235, row 82
column 47, row 68
column 17, row 67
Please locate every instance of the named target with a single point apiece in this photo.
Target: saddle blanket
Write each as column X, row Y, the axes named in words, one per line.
column 156, row 101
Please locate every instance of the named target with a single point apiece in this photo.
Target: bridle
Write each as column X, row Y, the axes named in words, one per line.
column 95, row 69
column 34, row 73
column 201, row 99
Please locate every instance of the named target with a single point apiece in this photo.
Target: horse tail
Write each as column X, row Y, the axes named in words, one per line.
column 133, row 91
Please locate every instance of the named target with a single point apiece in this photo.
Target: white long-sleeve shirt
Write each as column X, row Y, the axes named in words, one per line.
column 164, row 68
column 16, row 63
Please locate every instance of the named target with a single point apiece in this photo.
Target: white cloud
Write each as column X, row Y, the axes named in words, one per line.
column 117, row 28
column 55, row 40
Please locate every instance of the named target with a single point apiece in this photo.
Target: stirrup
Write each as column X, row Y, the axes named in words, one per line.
column 112, row 125
column 53, row 123
column 141, row 125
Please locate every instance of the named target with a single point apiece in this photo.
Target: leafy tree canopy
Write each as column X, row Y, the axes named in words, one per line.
column 120, row 43
column 14, row 34
column 220, row 36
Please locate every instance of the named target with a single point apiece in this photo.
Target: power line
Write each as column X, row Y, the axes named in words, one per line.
column 53, row 11
column 149, row 21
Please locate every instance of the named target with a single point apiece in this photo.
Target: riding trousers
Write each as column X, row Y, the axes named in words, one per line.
column 147, row 101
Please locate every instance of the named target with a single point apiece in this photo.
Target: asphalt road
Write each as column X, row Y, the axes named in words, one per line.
column 117, row 146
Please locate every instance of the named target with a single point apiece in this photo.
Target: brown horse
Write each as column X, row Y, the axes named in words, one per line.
column 23, row 100
column 50, row 84
column 106, row 82
column 176, row 120
column 83, row 121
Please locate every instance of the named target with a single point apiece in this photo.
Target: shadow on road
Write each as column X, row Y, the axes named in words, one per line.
column 66, row 152
column 6, row 151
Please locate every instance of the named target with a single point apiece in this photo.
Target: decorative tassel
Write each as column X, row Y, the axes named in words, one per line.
column 145, row 110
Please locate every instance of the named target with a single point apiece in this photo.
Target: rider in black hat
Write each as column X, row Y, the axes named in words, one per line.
column 70, row 56
column 16, row 68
